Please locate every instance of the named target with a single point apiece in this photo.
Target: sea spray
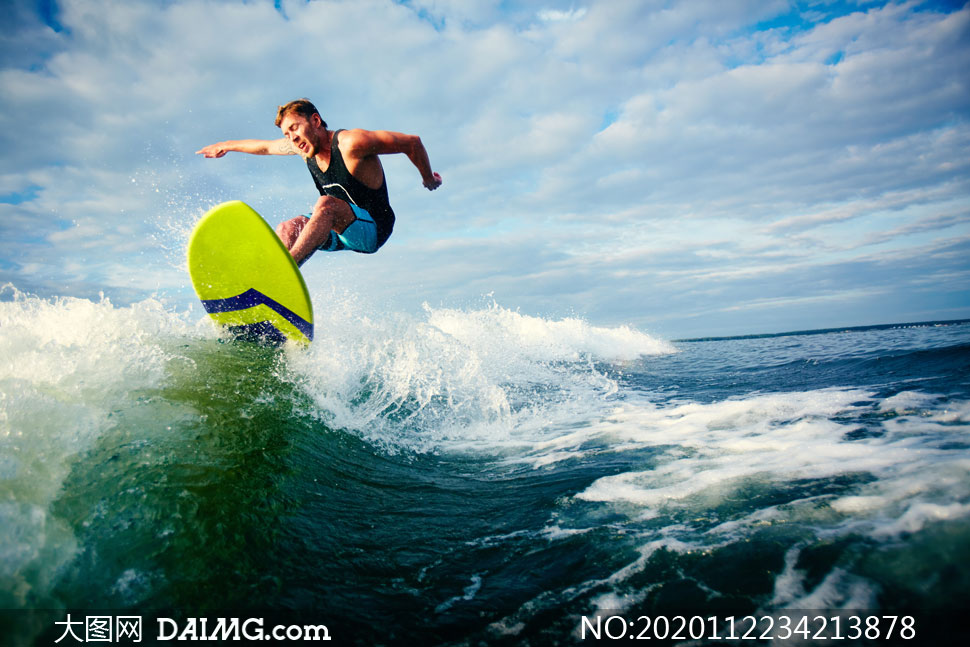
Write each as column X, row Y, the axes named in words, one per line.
column 68, row 366
column 482, row 376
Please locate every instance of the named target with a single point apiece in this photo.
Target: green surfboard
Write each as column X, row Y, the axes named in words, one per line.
column 246, row 278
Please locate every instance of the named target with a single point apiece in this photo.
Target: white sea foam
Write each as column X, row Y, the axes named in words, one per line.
column 777, row 437
column 907, row 402
column 67, row 364
column 468, row 594
column 494, row 328
column 711, row 454
column 838, row 590
column 489, row 377
column 918, row 514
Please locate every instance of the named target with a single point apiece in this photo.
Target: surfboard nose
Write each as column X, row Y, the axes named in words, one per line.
column 245, row 277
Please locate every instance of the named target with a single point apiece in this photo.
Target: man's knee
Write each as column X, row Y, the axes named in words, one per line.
column 337, row 209
column 326, row 203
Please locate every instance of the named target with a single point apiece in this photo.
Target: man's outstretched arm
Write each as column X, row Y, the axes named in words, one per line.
column 251, row 146
column 383, row 142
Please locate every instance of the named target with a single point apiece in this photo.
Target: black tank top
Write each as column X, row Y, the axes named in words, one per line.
column 337, row 181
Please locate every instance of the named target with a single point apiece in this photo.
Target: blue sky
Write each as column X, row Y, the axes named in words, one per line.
column 688, row 168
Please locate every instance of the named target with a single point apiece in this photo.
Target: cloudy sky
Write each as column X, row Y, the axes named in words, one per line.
column 688, row 168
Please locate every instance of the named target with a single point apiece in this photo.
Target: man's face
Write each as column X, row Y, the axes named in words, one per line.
column 302, row 133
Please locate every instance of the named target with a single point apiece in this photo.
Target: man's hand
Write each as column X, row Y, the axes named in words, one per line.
column 433, row 183
column 213, row 150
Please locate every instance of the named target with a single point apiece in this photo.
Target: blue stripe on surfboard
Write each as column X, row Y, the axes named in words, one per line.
column 253, row 297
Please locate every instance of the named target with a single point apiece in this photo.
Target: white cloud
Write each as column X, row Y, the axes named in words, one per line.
column 556, row 15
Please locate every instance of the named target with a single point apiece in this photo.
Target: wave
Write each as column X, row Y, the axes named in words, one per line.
column 116, row 390
column 489, row 377
column 145, row 461
column 69, row 365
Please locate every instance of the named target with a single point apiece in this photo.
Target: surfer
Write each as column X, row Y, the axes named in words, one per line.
column 353, row 211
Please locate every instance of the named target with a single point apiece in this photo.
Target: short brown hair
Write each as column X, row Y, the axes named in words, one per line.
column 302, row 107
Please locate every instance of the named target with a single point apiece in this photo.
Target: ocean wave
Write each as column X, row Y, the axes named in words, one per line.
column 69, row 365
column 488, row 377
column 475, row 467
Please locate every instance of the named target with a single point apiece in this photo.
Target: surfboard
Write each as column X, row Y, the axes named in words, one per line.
column 246, row 279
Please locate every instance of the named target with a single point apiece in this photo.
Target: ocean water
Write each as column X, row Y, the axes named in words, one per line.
column 475, row 475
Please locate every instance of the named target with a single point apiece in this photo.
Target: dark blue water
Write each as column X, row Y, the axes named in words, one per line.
column 467, row 477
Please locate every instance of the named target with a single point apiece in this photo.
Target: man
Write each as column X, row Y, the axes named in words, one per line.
column 353, row 211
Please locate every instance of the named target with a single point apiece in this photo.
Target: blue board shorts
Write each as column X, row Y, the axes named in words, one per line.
column 359, row 236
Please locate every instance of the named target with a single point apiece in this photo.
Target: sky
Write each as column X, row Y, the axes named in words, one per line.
column 685, row 168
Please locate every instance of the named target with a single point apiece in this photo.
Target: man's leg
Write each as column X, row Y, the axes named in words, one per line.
column 302, row 236
column 289, row 230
